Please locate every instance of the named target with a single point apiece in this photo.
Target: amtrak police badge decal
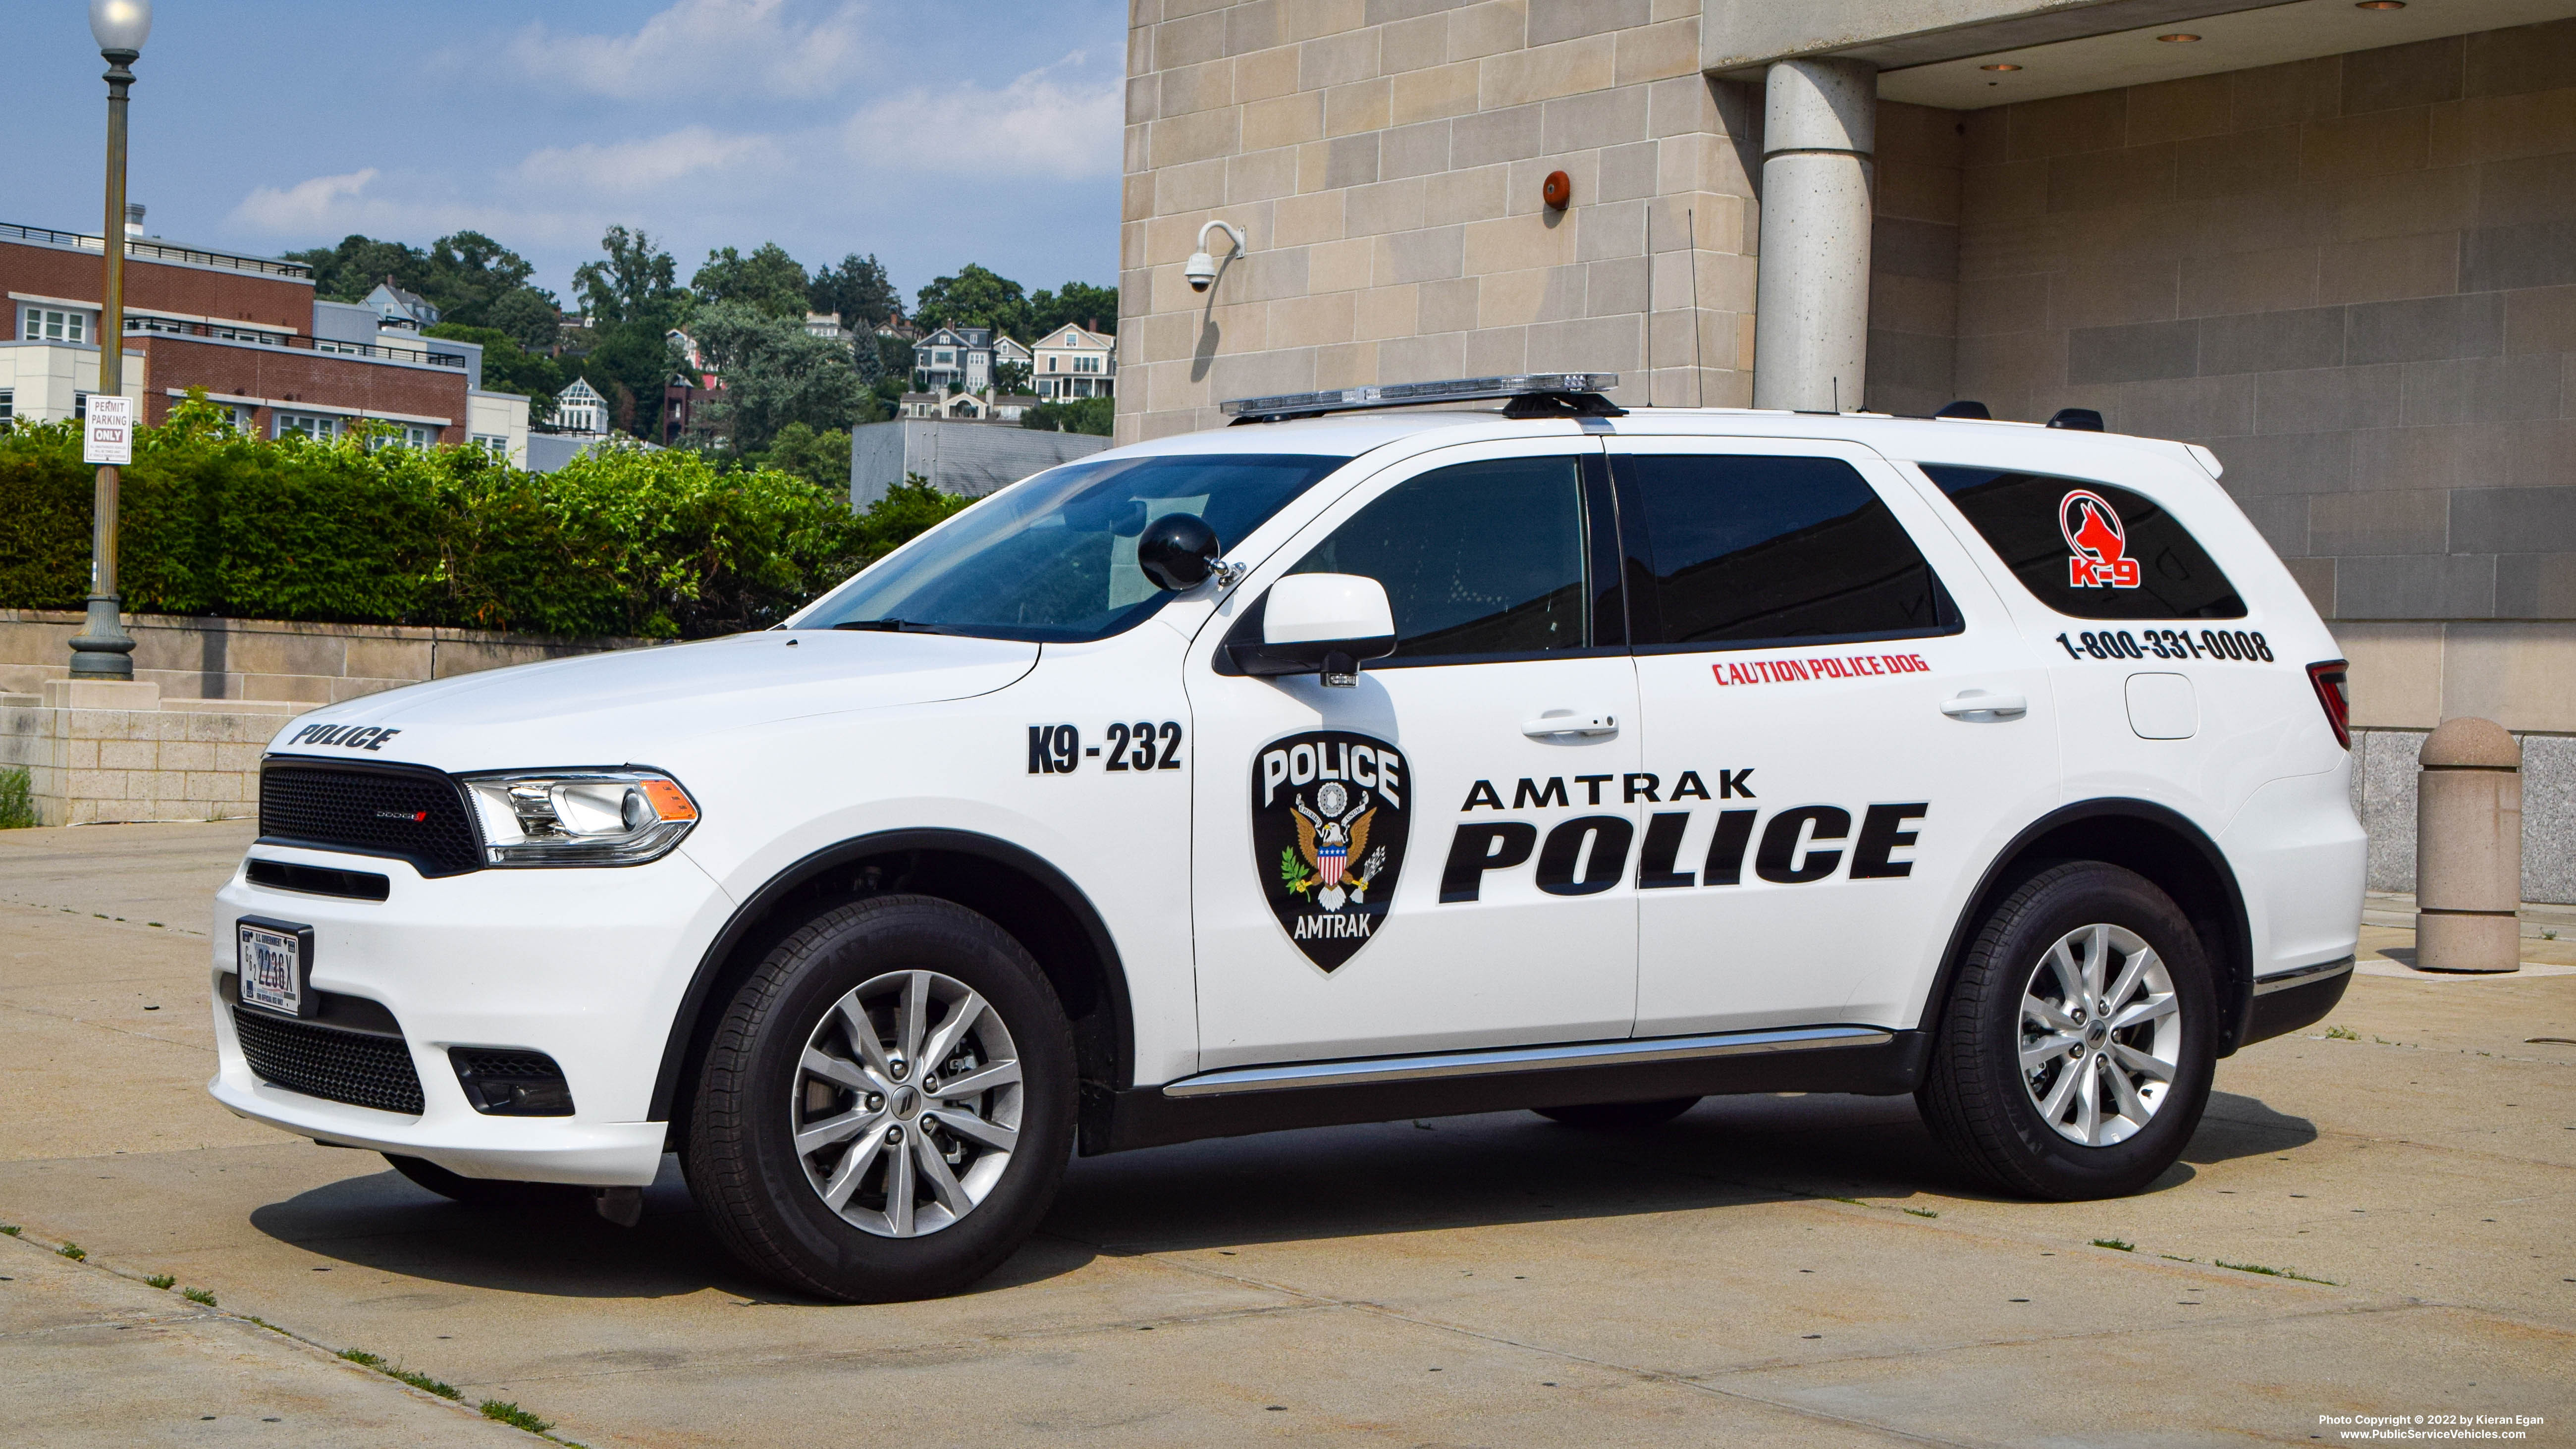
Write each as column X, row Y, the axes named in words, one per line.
column 1328, row 829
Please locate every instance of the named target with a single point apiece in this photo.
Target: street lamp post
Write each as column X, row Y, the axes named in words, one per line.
column 103, row 650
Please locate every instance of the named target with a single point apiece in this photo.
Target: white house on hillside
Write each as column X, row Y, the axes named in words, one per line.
column 1073, row 362
column 580, row 409
column 963, row 355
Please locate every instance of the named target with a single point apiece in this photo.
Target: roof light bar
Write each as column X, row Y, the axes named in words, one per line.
column 1537, row 394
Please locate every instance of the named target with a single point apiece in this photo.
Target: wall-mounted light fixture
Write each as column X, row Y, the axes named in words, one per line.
column 1201, row 268
column 1557, row 190
column 2000, row 65
column 2179, row 37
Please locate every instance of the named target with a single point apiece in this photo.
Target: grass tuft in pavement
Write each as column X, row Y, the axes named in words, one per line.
column 2342, row 1033
column 17, row 801
column 2274, row 1272
column 161, row 1281
column 1923, row 1212
column 205, row 1296
column 2115, row 1245
column 10, row 1228
column 514, row 1416
column 74, row 1251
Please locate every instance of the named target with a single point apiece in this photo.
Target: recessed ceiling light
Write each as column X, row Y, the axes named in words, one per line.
column 2000, row 65
column 2179, row 37
column 2381, row 5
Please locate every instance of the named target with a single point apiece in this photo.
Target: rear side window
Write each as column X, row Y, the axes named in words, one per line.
column 2091, row 550
column 1479, row 560
column 1748, row 551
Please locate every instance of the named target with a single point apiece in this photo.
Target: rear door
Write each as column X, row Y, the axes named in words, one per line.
column 1842, row 728
column 1435, row 857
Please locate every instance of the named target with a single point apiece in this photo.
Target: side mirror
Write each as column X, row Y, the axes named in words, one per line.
column 1320, row 624
column 1178, row 551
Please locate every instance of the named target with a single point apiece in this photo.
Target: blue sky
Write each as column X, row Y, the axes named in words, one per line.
column 930, row 134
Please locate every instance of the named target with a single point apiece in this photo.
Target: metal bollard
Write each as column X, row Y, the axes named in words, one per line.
column 2468, row 849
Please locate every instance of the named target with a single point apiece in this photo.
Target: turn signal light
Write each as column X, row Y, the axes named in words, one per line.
column 2328, row 677
column 669, row 800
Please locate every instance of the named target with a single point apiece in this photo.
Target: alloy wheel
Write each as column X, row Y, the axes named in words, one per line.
column 2101, row 1034
column 907, row 1103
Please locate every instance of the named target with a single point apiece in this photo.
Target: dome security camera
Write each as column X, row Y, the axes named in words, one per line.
column 1201, row 267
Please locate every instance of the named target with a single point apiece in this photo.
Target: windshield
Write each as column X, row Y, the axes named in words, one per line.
column 1053, row 558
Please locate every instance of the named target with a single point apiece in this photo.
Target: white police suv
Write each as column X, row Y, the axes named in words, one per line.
column 1354, row 762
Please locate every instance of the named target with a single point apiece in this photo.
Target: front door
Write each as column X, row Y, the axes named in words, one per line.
column 1844, row 723
column 1435, row 857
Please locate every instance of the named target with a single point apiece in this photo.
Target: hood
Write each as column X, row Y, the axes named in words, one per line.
column 628, row 705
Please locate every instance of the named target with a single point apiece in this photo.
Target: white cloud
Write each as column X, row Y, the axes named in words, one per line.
column 626, row 167
column 1035, row 126
column 304, row 206
column 699, row 47
column 325, row 208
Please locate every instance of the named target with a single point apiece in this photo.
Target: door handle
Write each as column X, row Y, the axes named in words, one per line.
column 1550, row 725
column 1969, row 703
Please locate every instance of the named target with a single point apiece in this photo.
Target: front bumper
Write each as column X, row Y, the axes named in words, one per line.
column 587, row 965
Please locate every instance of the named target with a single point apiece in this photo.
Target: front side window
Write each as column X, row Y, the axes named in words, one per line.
column 1749, row 551
column 1053, row 558
column 2091, row 550
column 1478, row 560
column 308, row 424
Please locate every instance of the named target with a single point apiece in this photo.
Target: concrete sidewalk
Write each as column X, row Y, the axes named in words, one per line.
column 1763, row 1270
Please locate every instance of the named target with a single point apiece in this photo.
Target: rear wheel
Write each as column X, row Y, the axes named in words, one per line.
column 487, row 1192
column 1619, row 1116
column 2076, row 1050
column 888, row 1104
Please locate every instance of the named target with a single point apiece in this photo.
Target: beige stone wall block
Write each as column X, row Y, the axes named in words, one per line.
column 1265, row 74
column 2369, row 145
column 184, row 755
column 1568, row 68
column 1385, row 312
column 1312, row 321
column 1511, row 243
column 1240, row 326
column 1192, row 188
column 1298, row 220
column 1349, row 364
column 1924, row 306
column 2407, row 202
column 1418, row 256
column 2113, row 295
column 1422, row 359
column 1308, row 19
column 1357, row 107
column 126, row 754
column 1182, row 139
column 1992, row 194
column 2274, row 280
column 1429, row 95
column 1415, row 44
column 1252, row 25
column 1913, row 191
column 239, row 758
column 2065, row 125
column 1283, row 120
column 1495, row 352
column 97, row 784
column 1337, row 60
column 1488, row 29
column 1136, row 197
column 1924, row 134
column 1473, row 194
column 2294, row 91
column 1533, row 294
column 1654, row 52
column 388, row 658
column 2177, row 110
column 1188, row 41
column 2388, row 268
column 1342, row 266
column 2503, row 128
column 269, row 652
column 1170, row 239
column 2541, row 319
column 1387, row 206
column 2522, row 676
column 77, row 754
column 2396, row 675
column 1261, row 176
column 1448, row 306
column 1202, row 87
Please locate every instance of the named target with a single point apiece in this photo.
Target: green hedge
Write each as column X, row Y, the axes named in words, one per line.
column 659, row 544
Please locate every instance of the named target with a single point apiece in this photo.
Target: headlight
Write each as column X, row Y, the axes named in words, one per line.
column 579, row 817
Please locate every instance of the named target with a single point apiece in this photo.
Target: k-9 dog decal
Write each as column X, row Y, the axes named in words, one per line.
column 1329, row 820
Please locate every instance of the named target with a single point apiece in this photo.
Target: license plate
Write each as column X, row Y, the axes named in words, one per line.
column 273, row 967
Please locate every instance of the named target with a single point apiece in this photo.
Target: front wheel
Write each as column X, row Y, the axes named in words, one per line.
column 888, row 1104
column 2075, row 1053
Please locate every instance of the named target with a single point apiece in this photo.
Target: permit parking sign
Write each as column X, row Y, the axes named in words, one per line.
column 107, row 432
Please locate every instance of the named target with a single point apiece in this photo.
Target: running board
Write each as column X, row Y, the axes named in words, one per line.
column 1514, row 1060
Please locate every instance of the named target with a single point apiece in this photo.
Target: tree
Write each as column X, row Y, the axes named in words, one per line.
column 1079, row 303
column 768, row 279
column 529, row 317
column 1082, row 415
column 773, row 372
column 1010, row 377
column 349, row 271
column 471, row 279
column 628, row 363
column 975, row 297
column 821, row 458
column 857, row 289
column 635, row 282
column 508, row 367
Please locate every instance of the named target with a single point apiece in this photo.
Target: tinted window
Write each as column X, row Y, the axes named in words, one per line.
column 1054, row 557
column 1479, row 559
column 1747, row 550
column 2091, row 550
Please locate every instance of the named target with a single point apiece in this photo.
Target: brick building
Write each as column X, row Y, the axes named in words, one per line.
column 2334, row 242
column 246, row 329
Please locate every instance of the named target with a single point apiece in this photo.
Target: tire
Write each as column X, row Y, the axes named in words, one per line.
column 1618, row 1116
column 2050, row 1099
column 486, row 1192
column 903, row 1193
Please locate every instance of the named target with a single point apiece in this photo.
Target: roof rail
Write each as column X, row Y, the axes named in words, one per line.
column 1530, row 395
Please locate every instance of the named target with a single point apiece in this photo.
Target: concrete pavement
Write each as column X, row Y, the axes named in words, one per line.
column 1762, row 1270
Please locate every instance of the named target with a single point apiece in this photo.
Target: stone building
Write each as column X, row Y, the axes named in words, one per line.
column 2334, row 242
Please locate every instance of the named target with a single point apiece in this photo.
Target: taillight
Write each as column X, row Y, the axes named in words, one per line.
column 2328, row 677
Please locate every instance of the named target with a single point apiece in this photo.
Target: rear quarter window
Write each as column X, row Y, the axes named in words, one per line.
column 2090, row 550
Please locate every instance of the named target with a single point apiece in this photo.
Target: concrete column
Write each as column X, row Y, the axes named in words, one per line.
column 2468, row 849
column 1811, row 302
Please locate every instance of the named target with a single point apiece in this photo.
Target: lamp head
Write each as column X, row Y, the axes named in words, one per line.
column 120, row 24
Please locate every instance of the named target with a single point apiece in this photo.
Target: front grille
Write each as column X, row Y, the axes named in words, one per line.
column 418, row 815
column 355, row 1067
